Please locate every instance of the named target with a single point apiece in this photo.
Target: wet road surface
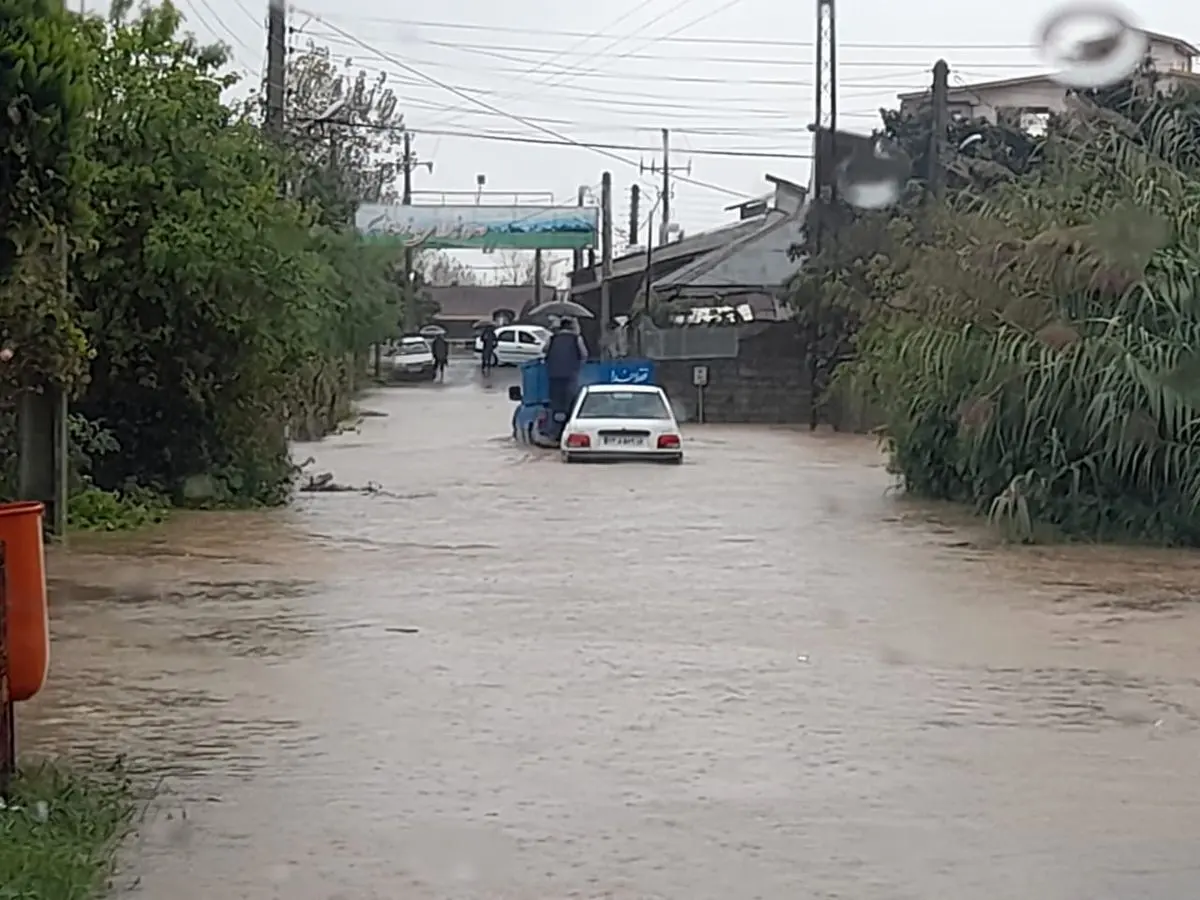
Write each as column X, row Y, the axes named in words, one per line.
column 756, row 675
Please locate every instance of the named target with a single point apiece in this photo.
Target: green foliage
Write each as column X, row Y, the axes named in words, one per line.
column 203, row 301
column 1032, row 341
column 151, row 264
column 92, row 509
column 61, row 841
column 44, row 100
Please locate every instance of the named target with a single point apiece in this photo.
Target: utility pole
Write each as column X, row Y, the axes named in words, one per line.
column 666, row 200
column 606, row 259
column 941, row 120
column 825, row 178
column 577, row 255
column 407, row 164
column 276, row 66
column 635, row 193
column 666, row 170
column 537, row 277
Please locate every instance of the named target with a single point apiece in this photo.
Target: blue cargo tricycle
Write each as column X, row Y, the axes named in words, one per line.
column 536, row 424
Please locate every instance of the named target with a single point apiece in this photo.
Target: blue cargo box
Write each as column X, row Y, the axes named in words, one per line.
column 534, row 397
column 535, row 387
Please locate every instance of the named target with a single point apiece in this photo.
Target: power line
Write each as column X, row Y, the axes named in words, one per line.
column 588, row 145
column 503, row 51
column 217, row 33
column 664, row 78
column 616, row 41
column 730, row 41
column 655, row 99
column 519, row 119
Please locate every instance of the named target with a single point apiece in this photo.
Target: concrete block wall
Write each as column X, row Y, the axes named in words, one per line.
column 767, row 383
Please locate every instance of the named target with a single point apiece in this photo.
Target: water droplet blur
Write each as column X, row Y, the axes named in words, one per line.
column 875, row 179
column 1092, row 45
column 41, row 811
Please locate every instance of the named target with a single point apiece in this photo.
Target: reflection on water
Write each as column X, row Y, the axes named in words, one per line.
column 756, row 675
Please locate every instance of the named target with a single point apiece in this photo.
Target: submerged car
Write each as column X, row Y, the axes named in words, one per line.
column 412, row 358
column 622, row 422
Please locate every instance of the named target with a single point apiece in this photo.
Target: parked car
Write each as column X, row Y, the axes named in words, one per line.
column 412, row 357
column 622, row 421
column 516, row 344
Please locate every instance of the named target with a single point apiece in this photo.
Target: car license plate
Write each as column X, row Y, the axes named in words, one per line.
column 623, row 440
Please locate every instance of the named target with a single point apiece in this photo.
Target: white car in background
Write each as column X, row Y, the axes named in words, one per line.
column 622, row 421
column 516, row 344
column 412, row 357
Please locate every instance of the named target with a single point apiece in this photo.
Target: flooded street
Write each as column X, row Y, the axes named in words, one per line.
column 756, row 675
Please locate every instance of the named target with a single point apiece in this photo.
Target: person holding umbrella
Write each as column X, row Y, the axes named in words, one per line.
column 441, row 354
column 565, row 356
column 488, row 346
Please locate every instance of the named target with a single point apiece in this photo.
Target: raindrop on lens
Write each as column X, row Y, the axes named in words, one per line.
column 1092, row 44
column 874, row 180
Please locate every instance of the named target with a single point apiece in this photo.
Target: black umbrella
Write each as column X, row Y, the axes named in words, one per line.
column 561, row 308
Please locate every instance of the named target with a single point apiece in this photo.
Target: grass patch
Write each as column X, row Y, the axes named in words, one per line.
column 59, row 840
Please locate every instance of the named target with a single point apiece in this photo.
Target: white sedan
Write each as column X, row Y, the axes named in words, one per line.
column 516, row 344
column 411, row 356
column 622, row 421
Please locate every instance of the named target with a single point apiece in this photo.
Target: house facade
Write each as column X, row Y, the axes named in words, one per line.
column 1033, row 96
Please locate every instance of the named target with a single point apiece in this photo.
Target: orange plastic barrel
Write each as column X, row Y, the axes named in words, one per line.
column 28, row 617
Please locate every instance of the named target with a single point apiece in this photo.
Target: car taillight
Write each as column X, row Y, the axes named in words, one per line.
column 668, row 442
column 578, row 440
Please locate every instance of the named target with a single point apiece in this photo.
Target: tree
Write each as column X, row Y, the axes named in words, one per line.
column 519, row 267
column 837, row 285
column 347, row 130
column 44, row 95
column 211, row 303
column 440, row 269
column 1034, row 348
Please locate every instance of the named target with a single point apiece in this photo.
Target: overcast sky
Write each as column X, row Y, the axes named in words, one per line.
column 723, row 75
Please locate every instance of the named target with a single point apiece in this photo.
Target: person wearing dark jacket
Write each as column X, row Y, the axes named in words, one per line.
column 488, row 342
column 565, row 356
column 441, row 353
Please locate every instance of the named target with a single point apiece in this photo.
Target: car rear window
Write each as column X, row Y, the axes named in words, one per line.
column 623, row 405
column 408, row 348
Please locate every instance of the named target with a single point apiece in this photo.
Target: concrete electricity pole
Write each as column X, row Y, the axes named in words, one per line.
column 606, row 260
column 941, row 120
column 635, row 194
column 407, row 165
column 825, row 178
column 577, row 255
column 666, row 170
column 276, row 90
column 666, row 195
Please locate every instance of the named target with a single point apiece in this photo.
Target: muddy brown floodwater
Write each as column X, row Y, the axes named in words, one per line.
column 756, row 675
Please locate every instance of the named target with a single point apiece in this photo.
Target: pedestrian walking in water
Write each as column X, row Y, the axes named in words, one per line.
column 441, row 354
column 488, row 356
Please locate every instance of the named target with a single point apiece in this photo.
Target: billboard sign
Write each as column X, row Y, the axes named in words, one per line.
column 480, row 227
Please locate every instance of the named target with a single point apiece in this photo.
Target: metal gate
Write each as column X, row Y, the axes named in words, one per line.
column 688, row 341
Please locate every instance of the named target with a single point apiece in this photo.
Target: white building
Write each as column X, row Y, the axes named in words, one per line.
column 1039, row 95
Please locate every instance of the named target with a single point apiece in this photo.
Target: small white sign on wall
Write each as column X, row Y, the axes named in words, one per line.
column 700, row 376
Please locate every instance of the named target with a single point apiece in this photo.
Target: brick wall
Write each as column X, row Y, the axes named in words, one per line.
column 767, row 383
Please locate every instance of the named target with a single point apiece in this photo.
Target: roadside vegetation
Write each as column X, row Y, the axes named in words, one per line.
column 1031, row 342
column 151, row 264
column 60, row 836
